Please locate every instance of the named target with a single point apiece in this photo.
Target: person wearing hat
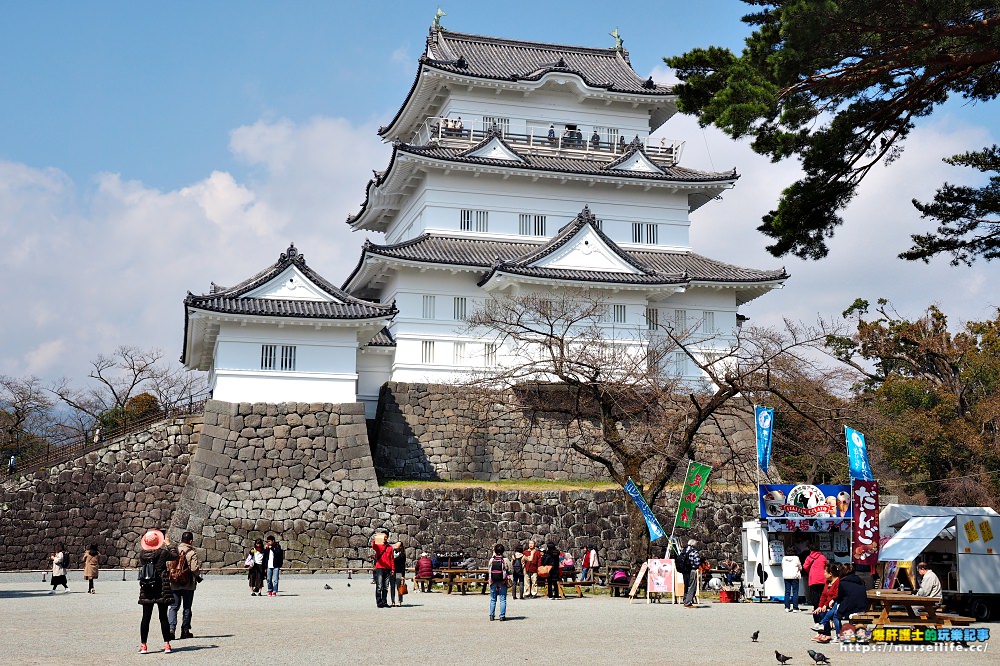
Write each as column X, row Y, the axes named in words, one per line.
column 691, row 559
column 425, row 572
column 156, row 549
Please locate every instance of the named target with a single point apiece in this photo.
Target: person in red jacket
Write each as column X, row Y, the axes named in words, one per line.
column 532, row 558
column 815, row 565
column 384, row 559
column 425, row 570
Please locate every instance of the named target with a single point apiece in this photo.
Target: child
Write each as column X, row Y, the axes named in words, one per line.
column 91, row 567
column 59, row 561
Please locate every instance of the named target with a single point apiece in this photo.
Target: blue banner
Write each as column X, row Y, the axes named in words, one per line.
column 857, row 456
column 655, row 531
column 764, row 416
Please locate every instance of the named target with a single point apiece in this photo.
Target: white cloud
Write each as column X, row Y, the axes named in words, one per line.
column 664, row 75
column 863, row 253
column 110, row 265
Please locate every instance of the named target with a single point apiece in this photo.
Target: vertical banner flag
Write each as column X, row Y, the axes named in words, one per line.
column 655, row 531
column 865, row 536
column 765, row 422
column 857, row 455
column 694, row 486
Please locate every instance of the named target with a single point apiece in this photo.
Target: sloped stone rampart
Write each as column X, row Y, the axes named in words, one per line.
column 438, row 431
column 305, row 473
column 108, row 497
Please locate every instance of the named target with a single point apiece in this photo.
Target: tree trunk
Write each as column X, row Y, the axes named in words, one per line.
column 638, row 534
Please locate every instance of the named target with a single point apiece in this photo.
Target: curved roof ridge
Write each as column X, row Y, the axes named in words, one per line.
column 492, row 133
column 591, row 50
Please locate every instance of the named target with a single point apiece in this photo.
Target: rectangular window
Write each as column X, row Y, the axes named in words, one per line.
column 531, row 225
column 680, row 320
column 460, row 308
column 267, row 355
column 459, row 355
column 708, row 322
column 503, row 124
column 652, row 319
column 428, row 311
column 287, row 358
column 465, row 220
column 490, row 354
column 652, row 235
column 599, row 223
column 636, row 232
column 427, row 351
column 680, row 364
column 619, row 314
column 482, row 221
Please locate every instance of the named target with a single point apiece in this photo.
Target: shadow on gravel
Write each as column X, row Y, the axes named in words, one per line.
column 21, row 594
column 219, row 636
column 194, row 648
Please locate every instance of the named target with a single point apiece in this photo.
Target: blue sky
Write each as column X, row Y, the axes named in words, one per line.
column 148, row 149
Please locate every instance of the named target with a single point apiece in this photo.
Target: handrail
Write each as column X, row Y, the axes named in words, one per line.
column 607, row 146
column 83, row 444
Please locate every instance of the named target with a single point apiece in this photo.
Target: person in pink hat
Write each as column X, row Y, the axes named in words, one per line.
column 154, row 585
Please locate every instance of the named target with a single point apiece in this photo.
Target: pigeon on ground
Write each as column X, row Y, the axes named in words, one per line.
column 754, row 636
column 327, row 587
column 781, row 658
column 819, row 657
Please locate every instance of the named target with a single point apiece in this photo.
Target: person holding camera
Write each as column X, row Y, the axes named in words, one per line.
column 385, row 567
column 184, row 579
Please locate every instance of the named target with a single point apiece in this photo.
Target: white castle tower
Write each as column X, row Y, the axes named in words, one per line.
column 523, row 167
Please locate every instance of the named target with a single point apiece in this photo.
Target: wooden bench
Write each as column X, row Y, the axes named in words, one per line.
column 952, row 619
column 620, row 589
column 429, row 580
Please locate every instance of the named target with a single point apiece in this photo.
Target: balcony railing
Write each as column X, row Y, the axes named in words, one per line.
column 571, row 143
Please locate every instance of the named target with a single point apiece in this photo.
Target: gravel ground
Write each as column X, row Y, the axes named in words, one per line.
column 308, row 624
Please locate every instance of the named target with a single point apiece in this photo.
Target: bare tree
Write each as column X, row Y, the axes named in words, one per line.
column 119, row 378
column 633, row 414
column 27, row 414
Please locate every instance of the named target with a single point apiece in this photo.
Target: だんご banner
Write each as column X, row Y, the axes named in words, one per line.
column 804, row 501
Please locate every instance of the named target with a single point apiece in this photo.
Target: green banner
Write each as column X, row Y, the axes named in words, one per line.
column 694, row 486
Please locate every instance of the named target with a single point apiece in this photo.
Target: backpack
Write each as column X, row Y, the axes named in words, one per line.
column 518, row 566
column 179, row 571
column 619, row 576
column 683, row 562
column 149, row 579
column 497, row 573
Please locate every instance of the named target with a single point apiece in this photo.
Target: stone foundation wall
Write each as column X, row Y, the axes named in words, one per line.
column 436, row 431
column 108, row 497
column 304, row 472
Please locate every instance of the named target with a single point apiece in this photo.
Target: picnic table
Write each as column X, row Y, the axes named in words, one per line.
column 885, row 613
column 463, row 578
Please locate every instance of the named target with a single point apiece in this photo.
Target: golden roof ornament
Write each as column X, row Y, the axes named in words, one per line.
column 437, row 18
column 618, row 39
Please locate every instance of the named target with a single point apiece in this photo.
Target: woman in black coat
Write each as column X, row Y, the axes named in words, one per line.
column 551, row 558
column 158, row 551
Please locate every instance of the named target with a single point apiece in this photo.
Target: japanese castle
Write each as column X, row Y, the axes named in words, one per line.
column 516, row 167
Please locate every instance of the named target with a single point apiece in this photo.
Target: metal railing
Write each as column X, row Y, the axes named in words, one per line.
column 576, row 143
column 79, row 444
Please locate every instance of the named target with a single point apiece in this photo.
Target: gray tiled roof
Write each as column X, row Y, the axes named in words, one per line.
column 233, row 301
column 382, row 339
column 514, row 60
column 575, row 165
column 656, row 267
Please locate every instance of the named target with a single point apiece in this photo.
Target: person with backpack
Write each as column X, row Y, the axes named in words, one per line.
column 91, row 566
column 184, row 573
column 154, row 585
column 687, row 563
column 499, row 579
column 517, row 573
column 60, row 564
column 397, row 582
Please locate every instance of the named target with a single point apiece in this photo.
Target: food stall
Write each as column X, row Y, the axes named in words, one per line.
column 793, row 515
column 960, row 544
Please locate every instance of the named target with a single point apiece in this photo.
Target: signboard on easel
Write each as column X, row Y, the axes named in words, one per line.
column 661, row 575
column 638, row 580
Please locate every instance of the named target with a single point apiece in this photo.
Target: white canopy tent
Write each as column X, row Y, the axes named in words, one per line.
column 918, row 526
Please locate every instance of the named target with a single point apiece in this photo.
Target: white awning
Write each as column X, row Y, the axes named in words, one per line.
column 910, row 541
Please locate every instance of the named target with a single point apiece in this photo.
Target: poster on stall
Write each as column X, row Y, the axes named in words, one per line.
column 864, row 534
column 889, row 575
column 777, row 550
column 804, row 501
